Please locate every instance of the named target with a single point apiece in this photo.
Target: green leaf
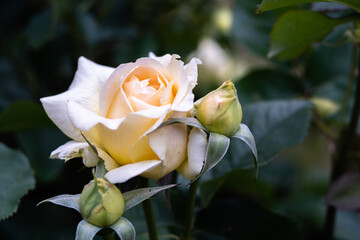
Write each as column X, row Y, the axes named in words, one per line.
column 345, row 192
column 188, row 121
column 66, row 200
column 124, row 229
column 23, row 115
column 16, row 179
column 217, row 147
column 245, row 135
column 134, row 197
column 295, row 31
column 267, row 5
column 275, row 125
column 86, row 231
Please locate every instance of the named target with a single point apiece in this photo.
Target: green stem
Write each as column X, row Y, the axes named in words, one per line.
column 342, row 150
column 189, row 215
column 150, row 219
column 349, row 87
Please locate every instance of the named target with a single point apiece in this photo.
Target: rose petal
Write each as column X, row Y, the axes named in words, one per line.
column 69, row 150
column 185, row 78
column 116, row 80
column 124, row 173
column 118, row 142
column 196, row 150
column 89, row 70
column 90, row 159
column 85, row 89
column 109, row 162
column 169, row 143
column 164, row 60
column 141, row 150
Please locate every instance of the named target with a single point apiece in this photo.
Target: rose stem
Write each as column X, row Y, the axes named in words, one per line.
column 149, row 216
column 342, row 149
column 189, row 215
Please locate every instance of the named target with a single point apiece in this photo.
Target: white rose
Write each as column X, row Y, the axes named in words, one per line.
column 119, row 111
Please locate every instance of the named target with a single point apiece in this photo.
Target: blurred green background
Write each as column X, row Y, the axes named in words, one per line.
column 292, row 107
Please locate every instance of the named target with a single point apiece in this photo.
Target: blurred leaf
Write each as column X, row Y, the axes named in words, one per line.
column 268, row 84
column 40, row 29
column 237, row 182
column 251, row 30
column 11, row 87
column 347, row 225
column 16, row 179
column 294, row 31
column 245, row 219
column 330, row 66
column 134, row 197
column 275, row 125
column 345, row 192
column 23, row 115
column 37, row 145
column 124, row 229
column 66, row 200
column 267, row 5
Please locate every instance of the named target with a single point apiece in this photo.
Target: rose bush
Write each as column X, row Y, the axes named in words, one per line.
column 119, row 112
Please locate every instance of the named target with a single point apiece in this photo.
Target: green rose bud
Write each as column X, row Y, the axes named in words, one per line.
column 101, row 203
column 220, row 110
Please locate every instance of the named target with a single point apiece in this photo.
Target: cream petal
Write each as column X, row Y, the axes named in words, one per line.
column 85, row 89
column 112, row 88
column 118, row 142
column 196, row 150
column 164, row 60
column 124, row 173
column 109, row 162
column 90, row 159
column 69, row 150
column 139, row 104
column 88, row 70
column 84, row 119
column 184, row 100
column 56, row 109
column 169, row 143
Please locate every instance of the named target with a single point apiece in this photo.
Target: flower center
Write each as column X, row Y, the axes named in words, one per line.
column 145, row 87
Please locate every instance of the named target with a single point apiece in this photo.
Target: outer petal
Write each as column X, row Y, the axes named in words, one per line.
column 186, row 78
column 124, row 173
column 169, row 143
column 117, row 136
column 164, row 60
column 196, row 150
column 109, row 162
column 74, row 149
column 69, row 150
column 85, row 89
column 88, row 70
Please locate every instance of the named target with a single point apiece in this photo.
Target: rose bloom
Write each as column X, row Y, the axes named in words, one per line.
column 119, row 110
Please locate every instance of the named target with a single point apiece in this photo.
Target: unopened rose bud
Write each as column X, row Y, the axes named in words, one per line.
column 220, row 110
column 101, row 203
